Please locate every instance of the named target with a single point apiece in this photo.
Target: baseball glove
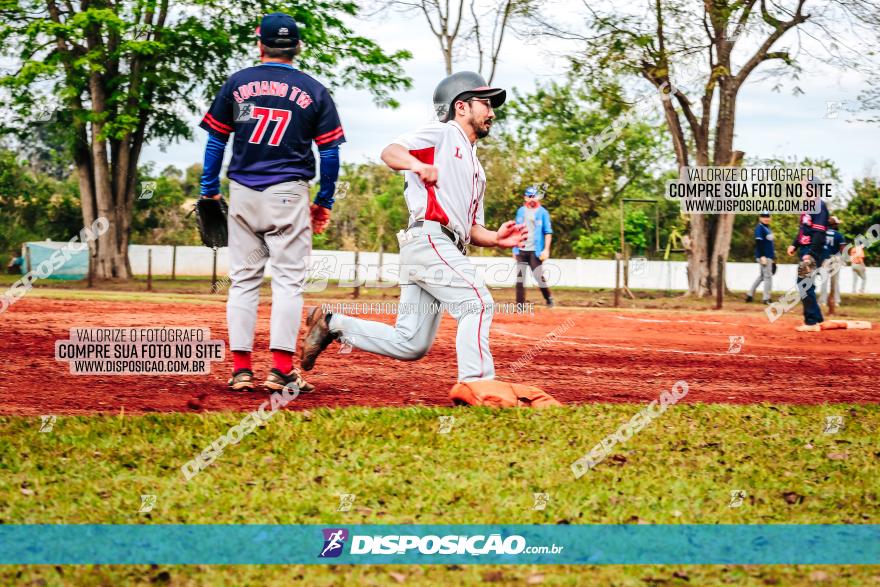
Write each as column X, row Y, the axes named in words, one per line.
column 500, row 394
column 211, row 218
column 806, row 266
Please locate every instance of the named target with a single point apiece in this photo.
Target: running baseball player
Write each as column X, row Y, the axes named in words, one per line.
column 275, row 113
column 444, row 188
column 765, row 255
column 536, row 249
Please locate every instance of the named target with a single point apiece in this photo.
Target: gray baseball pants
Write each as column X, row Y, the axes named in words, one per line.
column 433, row 272
column 765, row 275
column 858, row 270
column 275, row 225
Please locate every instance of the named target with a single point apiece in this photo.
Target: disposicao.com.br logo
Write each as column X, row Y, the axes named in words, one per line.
column 479, row 544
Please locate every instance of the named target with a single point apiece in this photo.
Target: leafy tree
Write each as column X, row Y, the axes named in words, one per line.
column 542, row 143
column 698, row 56
column 369, row 210
column 129, row 72
column 863, row 212
column 33, row 206
column 162, row 210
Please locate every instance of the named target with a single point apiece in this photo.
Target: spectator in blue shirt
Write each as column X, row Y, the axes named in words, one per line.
column 765, row 255
column 536, row 249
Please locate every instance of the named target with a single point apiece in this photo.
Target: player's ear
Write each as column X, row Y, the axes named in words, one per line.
column 298, row 49
column 456, row 106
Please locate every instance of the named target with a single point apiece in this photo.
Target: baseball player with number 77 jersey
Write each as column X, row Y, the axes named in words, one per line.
column 275, row 113
column 444, row 188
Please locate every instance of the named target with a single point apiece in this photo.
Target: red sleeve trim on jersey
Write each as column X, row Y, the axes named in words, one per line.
column 433, row 211
column 216, row 125
column 329, row 136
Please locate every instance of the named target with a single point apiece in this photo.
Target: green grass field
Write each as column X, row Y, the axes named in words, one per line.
column 679, row 469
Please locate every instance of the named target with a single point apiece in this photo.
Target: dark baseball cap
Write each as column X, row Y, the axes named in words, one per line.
column 765, row 214
column 279, row 31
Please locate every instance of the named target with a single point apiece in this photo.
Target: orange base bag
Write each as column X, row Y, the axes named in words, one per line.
column 500, row 394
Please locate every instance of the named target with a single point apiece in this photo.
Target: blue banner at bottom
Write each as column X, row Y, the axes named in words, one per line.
column 440, row 544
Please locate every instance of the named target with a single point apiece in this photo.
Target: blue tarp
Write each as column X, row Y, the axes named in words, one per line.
column 75, row 263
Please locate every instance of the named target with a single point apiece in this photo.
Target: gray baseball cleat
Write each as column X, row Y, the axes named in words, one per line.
column 276, row 381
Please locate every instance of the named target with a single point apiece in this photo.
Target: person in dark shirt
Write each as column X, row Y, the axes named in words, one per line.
column 275, row 114
column 834, row 244
column 810, row 246
column 765, row 255
column 16, row 262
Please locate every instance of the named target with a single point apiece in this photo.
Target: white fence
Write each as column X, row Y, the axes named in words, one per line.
column 498, row 271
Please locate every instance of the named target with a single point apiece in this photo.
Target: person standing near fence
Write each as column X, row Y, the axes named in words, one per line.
column 765, row 255
column 536, row 249
column 275, row 114
column 834, row 244
column 857, row 255
column 16, row 263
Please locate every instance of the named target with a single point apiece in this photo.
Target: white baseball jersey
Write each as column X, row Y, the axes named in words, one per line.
column 456, row 200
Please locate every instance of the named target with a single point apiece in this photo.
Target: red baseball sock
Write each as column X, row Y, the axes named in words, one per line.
column 241, row 360
column 283, row 361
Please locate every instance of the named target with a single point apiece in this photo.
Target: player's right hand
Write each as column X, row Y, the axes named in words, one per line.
column 427, row 173
column 790, row 250
column 511, row 234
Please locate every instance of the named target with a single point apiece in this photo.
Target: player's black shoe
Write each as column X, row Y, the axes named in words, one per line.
column 550, row 302
column 318, row 337
column 748, row 298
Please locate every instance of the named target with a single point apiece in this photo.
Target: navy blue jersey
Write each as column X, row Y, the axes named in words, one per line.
column 764, row 242
column 811, row 232
column 819, row 220
column 275, row 112
column 833, row 241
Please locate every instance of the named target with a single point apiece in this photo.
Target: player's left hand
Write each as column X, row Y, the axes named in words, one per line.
column 320, row 218
column 511, row 234
column 545, row 254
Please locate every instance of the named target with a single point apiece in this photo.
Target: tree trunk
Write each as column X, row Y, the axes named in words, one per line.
column 699, row 270
column 724, row 155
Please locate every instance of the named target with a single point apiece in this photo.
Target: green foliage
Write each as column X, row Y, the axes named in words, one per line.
column 162, row 218
column 369, row 209
column 862, row 212
column 594, row 245
column 541, row 144
column 34, row 206
column 158, row 61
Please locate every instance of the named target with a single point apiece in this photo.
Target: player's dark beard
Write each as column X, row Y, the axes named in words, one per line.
column 479, row 129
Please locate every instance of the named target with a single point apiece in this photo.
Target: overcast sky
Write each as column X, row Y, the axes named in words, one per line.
column 768, row 123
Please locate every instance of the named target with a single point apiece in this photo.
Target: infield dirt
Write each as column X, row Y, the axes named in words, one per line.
column 597, row 355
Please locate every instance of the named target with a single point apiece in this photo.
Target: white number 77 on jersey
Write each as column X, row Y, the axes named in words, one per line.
column 263, row 116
